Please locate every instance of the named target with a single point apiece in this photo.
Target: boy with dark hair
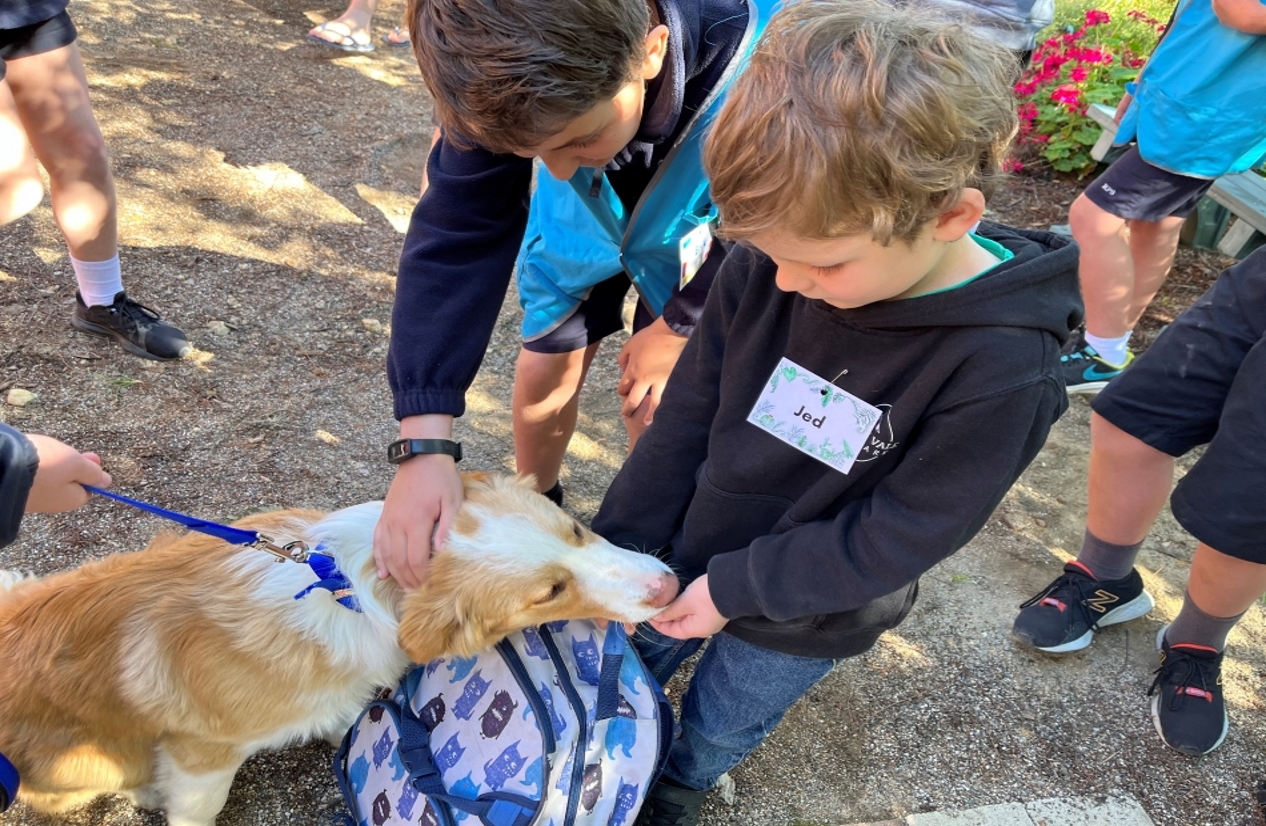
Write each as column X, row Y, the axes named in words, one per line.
column 1199, row 383
column 870, row 375
column 612, row 96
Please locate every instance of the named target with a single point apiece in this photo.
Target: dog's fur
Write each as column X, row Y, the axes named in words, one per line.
column 156, row 674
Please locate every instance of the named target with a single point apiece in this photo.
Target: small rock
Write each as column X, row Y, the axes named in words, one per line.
column 327, row 437
column 19, row 397
column 1041, row 523
column 218, row 328
column 373, row 325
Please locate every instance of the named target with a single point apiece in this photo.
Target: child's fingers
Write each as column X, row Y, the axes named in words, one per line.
column 634, row 399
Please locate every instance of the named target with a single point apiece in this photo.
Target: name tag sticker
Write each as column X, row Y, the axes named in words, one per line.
column 692, row 251
column 814, row 416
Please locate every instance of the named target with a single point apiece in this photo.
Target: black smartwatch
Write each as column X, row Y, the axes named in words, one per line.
column 404, row 449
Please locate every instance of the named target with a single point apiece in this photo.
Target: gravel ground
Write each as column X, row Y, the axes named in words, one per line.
column 264, row 183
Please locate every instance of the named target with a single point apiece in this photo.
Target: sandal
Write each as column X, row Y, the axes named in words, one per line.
column 345, row 41
column 398, row 32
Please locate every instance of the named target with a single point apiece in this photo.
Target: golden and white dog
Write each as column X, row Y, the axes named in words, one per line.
column 156, row 674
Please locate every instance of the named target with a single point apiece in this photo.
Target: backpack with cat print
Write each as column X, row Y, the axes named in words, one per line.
column 559, row 725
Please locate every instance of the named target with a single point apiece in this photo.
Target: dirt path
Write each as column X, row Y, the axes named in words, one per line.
column 264, row 183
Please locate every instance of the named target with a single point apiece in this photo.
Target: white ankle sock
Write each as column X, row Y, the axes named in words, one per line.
column 1114, row 351
column 99, row 281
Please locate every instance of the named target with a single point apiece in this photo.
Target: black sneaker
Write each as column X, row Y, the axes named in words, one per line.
column 1065, row 616
column 1187, row 703
column 669, row 805
column 138, row 328
column 1085, row 372
column 555, row 494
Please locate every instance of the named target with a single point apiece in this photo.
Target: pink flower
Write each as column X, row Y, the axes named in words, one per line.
column 1069, row 96
column 1012, row 165
column 1079, row 74
column 1095, row 17
column 1025, row 88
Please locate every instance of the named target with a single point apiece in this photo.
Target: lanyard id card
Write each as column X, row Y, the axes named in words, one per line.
column 692, row 251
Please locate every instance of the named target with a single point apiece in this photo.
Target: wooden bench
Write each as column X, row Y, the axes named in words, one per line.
column 1102, row 114
column 1243, row 194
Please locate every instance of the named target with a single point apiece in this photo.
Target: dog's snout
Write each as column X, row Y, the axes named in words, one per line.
column 663, row 591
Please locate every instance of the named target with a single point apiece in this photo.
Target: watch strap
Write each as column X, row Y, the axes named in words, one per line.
column 403, row 449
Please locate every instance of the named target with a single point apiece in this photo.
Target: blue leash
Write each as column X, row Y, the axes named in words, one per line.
column 329, row 577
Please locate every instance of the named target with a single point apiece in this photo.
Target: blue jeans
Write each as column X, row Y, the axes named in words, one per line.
column 738, row 693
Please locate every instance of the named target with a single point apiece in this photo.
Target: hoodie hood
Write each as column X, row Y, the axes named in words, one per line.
column 1035, row 289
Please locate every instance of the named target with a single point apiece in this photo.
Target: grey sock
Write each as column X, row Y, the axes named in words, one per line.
column 1198, row 628
column 1105, row 560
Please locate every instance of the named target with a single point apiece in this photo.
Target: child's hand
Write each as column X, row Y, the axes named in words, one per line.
column 647, row 359
column 62, row 473
column 693, row 615
column 421, row 504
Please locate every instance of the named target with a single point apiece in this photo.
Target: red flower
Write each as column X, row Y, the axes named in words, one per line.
column 1069, row 96
column 1079, row 74
column 1095, row 17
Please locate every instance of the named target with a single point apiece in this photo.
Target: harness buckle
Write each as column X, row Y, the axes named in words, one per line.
column 296, row 551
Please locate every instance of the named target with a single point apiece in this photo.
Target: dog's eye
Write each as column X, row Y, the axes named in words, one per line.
column 554, row 593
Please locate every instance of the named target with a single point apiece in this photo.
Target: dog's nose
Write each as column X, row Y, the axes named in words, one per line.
column 663, row 591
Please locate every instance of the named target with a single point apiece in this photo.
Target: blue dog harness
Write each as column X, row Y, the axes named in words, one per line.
column 329, row 577
column 8, row 783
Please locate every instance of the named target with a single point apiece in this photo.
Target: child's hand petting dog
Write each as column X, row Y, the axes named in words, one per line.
column 61, row 476
column 693, row 615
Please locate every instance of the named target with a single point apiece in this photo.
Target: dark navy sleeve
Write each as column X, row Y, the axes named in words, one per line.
column 458, row 256
column 647, row 501
column 18, row 463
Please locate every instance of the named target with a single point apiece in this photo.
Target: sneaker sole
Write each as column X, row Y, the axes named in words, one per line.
column 105, row 332
column 1090, row 388
column 1135, row 608
column 1226, row 722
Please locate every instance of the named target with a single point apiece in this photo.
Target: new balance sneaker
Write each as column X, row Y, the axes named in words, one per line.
column 1066, row 614
column 670, row 805
column 138, row 328
column 1085, row 372
column 1187, row 703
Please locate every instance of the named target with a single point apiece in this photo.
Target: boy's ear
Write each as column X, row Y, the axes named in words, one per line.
column 656, row 52
column 962, row 217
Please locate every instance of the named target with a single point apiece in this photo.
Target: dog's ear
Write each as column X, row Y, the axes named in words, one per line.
column 440, row 618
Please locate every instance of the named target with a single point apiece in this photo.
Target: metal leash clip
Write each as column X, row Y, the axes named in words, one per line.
column 296, row 551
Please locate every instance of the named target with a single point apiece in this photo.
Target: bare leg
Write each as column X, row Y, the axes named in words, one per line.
column 1106, row 269
column 1224, row 586
column 1128, row 484
column 20, row 187
column 1152, row 248
column 546, row 403
column 50, row 92
column 353, row 23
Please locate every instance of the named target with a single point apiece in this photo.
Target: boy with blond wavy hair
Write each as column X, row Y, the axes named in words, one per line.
column 871, row 373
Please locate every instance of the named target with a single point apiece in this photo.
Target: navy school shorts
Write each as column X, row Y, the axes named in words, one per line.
column 597, row 316
column 1204, row 382
column 1133, row 189
column 36, row 39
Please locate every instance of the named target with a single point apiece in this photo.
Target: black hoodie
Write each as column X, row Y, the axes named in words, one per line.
column 800, row 557
column 18, row 463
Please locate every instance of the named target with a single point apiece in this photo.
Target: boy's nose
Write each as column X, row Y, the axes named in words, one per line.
column 560, row 168
column 790, row 282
